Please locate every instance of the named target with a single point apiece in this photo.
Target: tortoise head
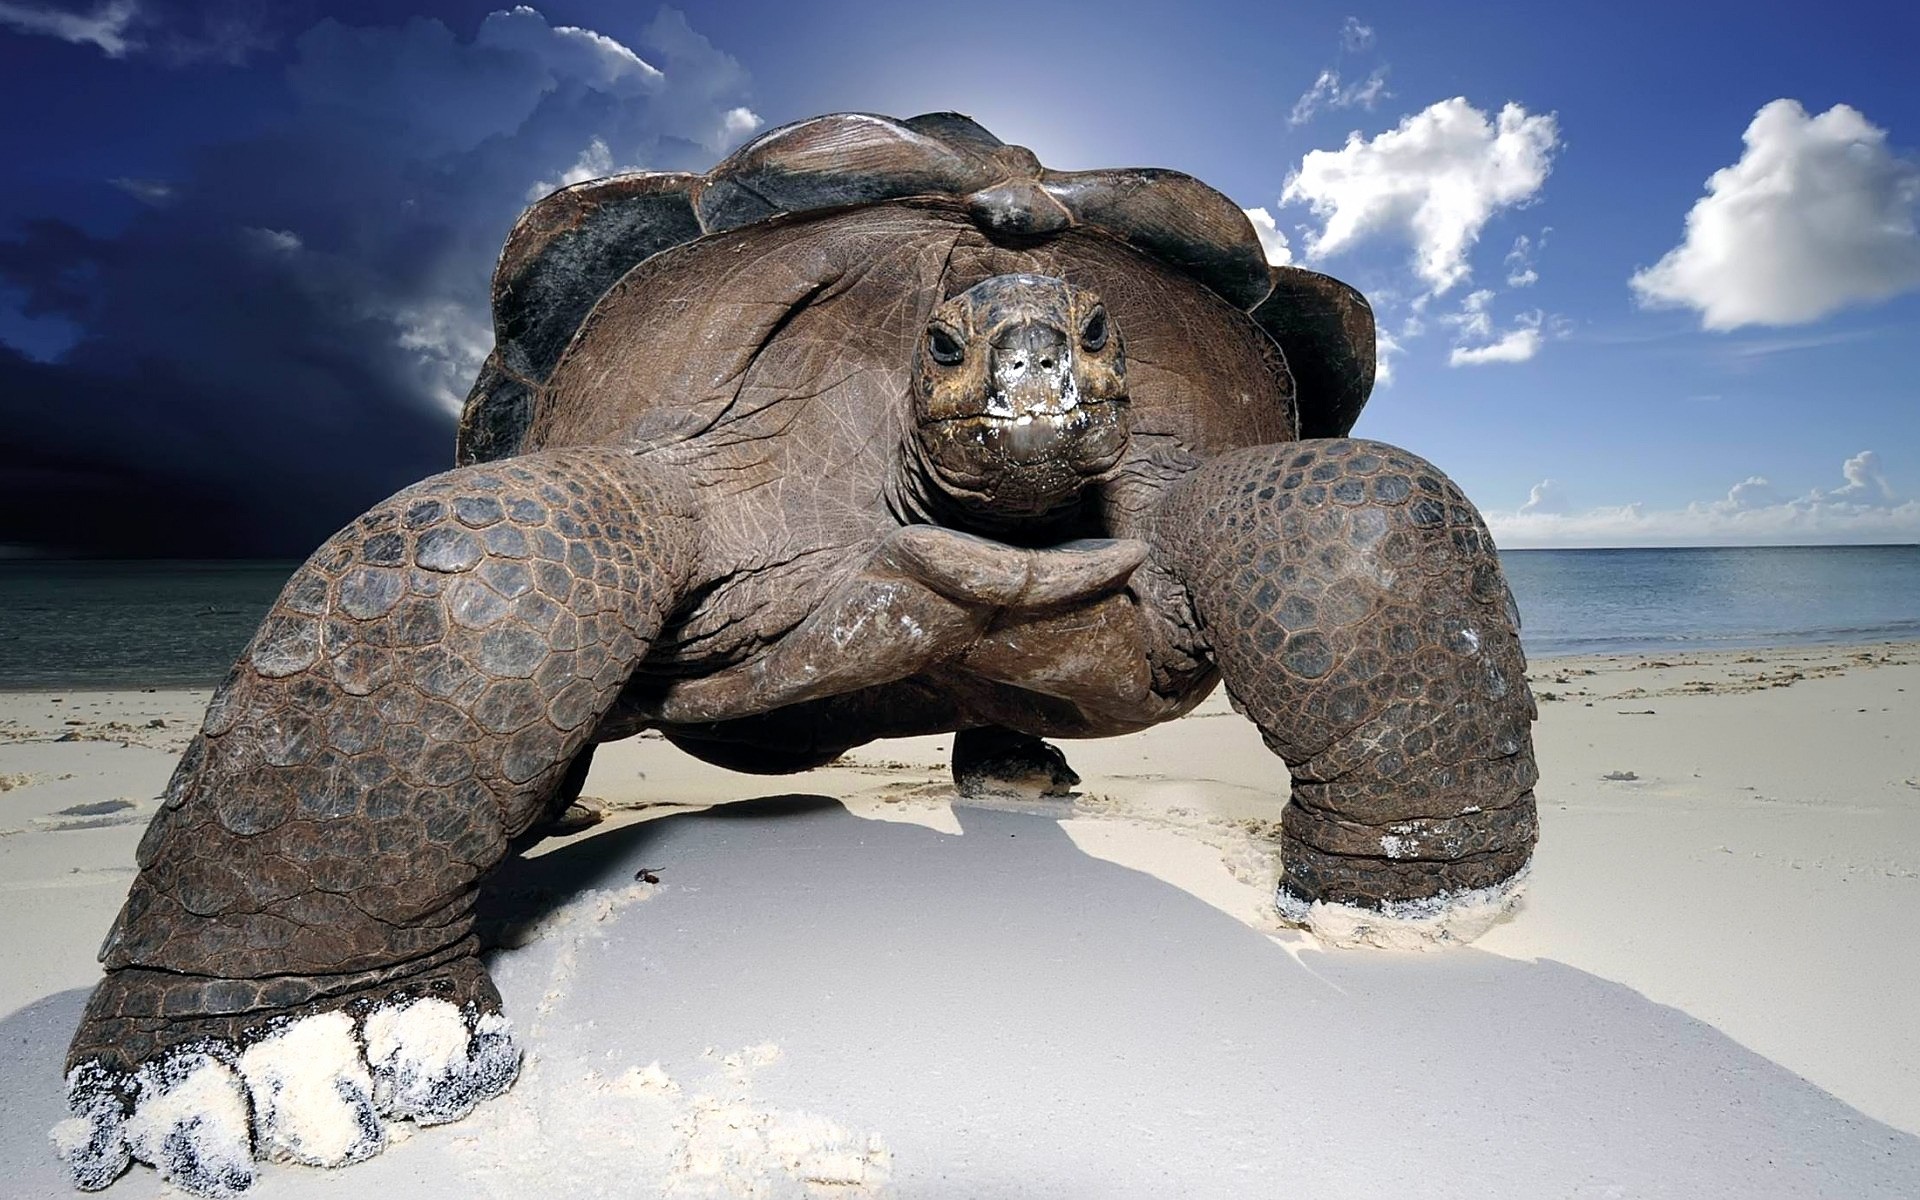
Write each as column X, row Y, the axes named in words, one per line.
column 1019, row 395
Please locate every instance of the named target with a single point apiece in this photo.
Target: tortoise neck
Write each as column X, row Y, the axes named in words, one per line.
column 916, row 495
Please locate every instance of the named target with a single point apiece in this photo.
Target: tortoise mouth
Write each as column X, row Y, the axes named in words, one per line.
column 1086, row 436
column 1025, row 464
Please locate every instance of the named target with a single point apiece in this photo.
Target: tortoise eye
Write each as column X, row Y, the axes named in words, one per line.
column 1093, row 335
column 944, row 347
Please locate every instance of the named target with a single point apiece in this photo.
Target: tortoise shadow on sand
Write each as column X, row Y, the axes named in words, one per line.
column 1015, row 1017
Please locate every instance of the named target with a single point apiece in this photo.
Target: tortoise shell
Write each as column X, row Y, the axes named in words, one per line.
column 568, row 249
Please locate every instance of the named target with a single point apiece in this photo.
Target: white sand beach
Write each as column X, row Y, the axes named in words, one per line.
column 841, row 984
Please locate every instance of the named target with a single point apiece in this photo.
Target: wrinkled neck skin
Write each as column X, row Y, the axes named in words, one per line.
column 920, row 495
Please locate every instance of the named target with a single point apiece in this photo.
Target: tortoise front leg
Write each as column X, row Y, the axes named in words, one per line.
column 1355, row 606
column 295, row 959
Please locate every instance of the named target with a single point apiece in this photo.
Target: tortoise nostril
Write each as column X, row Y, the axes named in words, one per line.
column 1046, row 363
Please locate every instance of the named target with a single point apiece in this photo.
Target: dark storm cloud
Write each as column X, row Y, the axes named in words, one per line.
column 180, row 34
column 286, row 339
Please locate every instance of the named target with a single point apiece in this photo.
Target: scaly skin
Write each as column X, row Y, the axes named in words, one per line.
column 1357, row 611
column 411, row 704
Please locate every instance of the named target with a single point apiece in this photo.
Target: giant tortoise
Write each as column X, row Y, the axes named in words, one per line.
column 877, row 429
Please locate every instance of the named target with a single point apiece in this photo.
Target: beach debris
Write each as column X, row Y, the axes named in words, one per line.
column 96, row 808
column 583, row 813
column 1620, row 776
column 97, row 814
column 1636, row 712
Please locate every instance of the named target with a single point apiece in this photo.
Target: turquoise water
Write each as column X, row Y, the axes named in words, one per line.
column 1601, row 601
column 171, row 624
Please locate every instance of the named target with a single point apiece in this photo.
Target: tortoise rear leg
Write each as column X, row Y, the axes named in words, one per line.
column 994, row 761
column 1356, row 609
column 563, row 814
column 295, row 959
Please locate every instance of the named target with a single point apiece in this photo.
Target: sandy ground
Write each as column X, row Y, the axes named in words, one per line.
column 842, row 984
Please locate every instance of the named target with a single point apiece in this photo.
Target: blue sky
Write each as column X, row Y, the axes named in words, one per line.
column 243, row 248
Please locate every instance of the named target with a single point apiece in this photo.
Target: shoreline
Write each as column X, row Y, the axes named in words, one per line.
column 1671, row 654
column 1732, row 835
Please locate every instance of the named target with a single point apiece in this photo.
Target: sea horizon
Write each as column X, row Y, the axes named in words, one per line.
column 82, row 622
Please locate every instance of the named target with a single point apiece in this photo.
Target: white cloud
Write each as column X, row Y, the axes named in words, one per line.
column 570, row 52
column 1385, row 348
column 1817, row 214
column 1473, row 320
column 1865, row 509
column 1759, row 349
column 1274, row 242
column 149, row 191
column 736, row 124
column 1755, row 491
column 446, row 339
column 273, row 241
column 1520, row 260
column 704, row 80
column 226, row 33
column 1474, row 323
column 1516, row 345
column 1436, row 180
column 1545, row 497
column 1865, row 483
column 1328, row 92
column 615, row 61
column 595, row 162
column 106, row 26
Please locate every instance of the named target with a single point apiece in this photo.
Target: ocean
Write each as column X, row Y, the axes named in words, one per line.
column 1714, row 598
column 179, row 624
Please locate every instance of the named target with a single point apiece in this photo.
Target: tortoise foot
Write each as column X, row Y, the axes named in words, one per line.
column 1452, row 918
column 1412, row 884
column 201, row 1098
column 1001, row 762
